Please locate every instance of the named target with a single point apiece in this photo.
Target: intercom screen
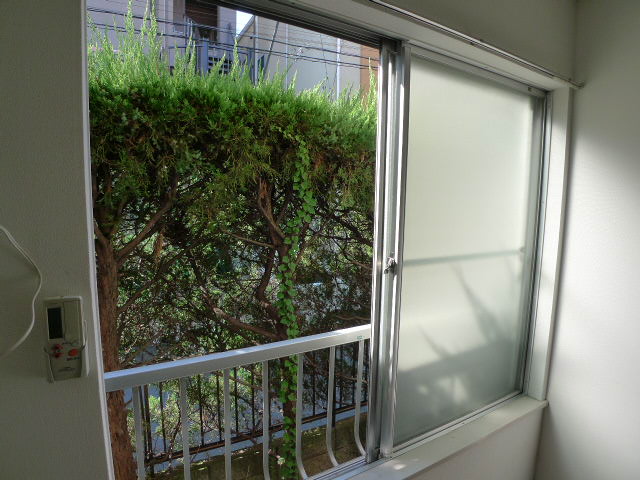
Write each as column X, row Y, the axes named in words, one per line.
column 54, row 316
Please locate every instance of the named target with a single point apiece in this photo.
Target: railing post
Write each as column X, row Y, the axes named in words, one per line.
column 162, row 422
column 266, row 411
column 200, row 413
column 227, row 426
column 184, row 421
column 330, row 402
column 313, row 383
column 147, row 427
column 235, row 395
column 253, row 400
column 220, row 419
column 340, row 386
column 136, row 393
column 358, row 397
column 366, row 374
column 299, row 392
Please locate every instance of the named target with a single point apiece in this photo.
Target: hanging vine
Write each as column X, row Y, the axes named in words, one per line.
column 286, row 294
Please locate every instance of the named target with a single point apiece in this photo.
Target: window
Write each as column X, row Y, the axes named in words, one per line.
column 458, row 187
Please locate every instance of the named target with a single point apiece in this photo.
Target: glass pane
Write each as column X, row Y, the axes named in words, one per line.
column 465, row 246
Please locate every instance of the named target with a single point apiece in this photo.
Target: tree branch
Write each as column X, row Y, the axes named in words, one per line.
column 151, row 225
column 237, row 323
column 248, row 240
column 230, row 319
column 260, row 292
column 104, row 241
column 264, row 205
column 157, row 277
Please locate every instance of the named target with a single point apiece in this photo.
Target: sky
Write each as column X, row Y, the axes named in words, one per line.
column 241, row 20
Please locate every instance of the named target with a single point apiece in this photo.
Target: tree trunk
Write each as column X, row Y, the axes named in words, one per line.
column 107, row 271
column 123, row 464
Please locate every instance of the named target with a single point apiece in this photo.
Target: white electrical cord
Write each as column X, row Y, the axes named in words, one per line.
column 23, row 252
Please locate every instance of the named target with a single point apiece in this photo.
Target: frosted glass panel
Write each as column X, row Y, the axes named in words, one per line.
column 467, row 210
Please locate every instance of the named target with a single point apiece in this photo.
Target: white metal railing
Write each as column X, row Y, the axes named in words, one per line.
column 136, row 378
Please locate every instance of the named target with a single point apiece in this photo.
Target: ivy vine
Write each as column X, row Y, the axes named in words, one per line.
column 286, row 294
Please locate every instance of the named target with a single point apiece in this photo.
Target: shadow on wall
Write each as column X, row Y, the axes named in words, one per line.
column 472, row 309
column 18, row 285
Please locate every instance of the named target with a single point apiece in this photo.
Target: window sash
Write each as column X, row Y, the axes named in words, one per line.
column 394, row 99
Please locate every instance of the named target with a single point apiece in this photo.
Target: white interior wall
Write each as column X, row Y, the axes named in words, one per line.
column 508, row 454
column 540, row 31
column 46, row 430
column 590, row 430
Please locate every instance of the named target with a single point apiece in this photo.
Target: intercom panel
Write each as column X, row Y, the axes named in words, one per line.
column 65, row 348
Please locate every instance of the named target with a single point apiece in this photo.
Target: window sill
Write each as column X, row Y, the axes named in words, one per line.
column 435, row 450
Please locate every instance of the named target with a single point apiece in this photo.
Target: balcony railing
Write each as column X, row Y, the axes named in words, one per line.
column 254, row 361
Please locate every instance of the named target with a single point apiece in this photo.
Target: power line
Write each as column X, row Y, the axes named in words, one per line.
column 250, row 36
column 230, row 47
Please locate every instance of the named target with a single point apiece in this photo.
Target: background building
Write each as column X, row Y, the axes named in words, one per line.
column 306, row 57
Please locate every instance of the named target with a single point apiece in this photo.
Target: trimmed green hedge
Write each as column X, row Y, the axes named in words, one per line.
column 150, row 126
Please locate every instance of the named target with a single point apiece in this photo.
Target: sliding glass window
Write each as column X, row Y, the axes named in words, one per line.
column 470, row 208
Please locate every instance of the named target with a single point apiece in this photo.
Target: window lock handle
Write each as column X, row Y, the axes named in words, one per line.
column 390, row 265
